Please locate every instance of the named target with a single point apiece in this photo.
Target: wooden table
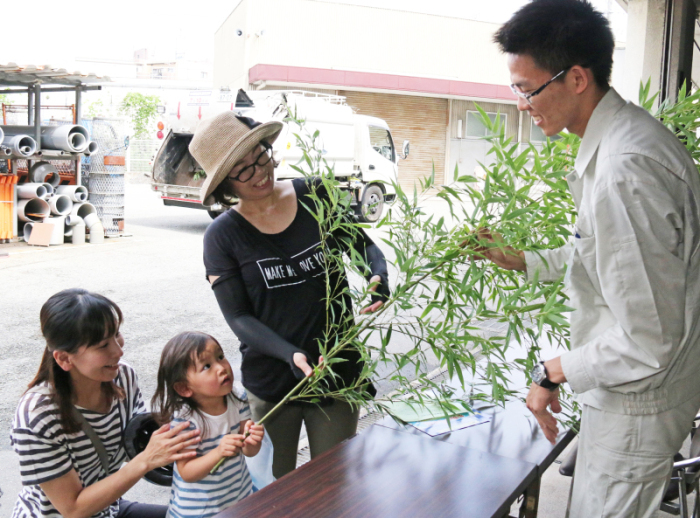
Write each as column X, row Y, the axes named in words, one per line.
column 390, row 473
column 513, row 433
column 394, row 470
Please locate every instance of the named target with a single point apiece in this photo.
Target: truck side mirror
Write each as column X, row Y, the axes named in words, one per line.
column 405, row 149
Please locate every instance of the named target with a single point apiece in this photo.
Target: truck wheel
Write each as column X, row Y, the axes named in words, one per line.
column 372, row 204
column 213, row 214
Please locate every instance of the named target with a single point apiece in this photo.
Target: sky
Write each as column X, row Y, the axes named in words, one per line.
column 65, row 32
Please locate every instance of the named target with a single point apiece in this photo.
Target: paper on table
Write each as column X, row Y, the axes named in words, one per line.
column 442, row 426
column 418, row 412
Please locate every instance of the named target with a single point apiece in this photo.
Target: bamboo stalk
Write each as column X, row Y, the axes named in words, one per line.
column 267, row 416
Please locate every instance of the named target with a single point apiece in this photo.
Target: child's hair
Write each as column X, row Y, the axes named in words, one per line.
column 178, row 355
column 71, row 319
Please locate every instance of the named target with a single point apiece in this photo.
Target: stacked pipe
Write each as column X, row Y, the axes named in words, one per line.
column 64, row 206
column 16, row 141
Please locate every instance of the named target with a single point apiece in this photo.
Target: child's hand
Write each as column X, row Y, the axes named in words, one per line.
column 230, row 445
column 255, row 433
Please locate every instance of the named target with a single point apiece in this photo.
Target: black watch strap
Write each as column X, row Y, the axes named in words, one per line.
column 545, row 383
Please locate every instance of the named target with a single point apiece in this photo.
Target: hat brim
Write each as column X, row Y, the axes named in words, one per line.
column 268, row 132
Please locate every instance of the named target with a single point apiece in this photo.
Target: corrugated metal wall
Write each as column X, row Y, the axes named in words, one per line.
column 422, row 120
column 459, row 113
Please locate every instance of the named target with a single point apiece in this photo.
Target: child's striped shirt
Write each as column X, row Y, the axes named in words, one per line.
column 230, row 483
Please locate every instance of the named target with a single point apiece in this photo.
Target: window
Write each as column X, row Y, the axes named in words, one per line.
column 476, row 129
column 157, row 72
column 537, row 135
column 380, row 140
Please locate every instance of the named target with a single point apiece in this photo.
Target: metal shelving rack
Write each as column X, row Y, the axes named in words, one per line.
column 32, row 81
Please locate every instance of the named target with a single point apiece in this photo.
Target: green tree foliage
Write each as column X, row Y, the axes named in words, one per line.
column 142, row 109
column 5, row 99
column 96, row 109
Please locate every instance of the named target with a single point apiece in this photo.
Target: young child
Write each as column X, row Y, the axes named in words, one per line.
column 195, row 384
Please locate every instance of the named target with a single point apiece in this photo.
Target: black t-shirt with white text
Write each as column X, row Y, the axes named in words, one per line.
column 290, row 304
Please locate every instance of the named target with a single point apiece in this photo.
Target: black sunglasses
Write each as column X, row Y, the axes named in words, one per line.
column 247, row 172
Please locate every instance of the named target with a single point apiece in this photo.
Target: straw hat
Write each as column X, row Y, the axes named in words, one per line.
column 221, row 141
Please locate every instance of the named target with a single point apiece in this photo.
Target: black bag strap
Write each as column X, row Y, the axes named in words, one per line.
column 254, row 233
column 94, row 439
column 85, row 427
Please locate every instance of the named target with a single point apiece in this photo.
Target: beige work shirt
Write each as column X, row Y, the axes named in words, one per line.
column 633, row 267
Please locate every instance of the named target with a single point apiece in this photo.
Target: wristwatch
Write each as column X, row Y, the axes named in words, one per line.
column 539, row 377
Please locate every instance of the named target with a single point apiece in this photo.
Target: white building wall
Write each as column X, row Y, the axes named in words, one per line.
column 230, row 58
column 315, row 34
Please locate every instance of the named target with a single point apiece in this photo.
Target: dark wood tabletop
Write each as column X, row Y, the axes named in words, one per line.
column 513, row 432
column 388, row 473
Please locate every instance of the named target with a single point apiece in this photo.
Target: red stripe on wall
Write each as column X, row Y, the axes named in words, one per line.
column 348, row 79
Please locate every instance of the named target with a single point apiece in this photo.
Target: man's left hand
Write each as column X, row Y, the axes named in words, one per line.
column 538, row 401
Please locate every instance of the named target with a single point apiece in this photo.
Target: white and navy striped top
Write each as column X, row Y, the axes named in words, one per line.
column 230, row 483
column 46, row 452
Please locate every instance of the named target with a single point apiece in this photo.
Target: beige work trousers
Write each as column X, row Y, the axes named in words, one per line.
column 624, row 461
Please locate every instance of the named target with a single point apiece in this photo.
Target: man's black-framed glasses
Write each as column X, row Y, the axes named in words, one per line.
column 529, row 95
column 247, row 172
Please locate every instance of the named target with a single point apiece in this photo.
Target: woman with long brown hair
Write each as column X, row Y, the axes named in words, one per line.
column 69, row 424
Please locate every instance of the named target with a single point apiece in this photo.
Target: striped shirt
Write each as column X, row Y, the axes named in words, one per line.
column 46, row 452
column 230, row 483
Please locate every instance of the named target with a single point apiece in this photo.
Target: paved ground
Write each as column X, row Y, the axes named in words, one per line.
column 157, row 278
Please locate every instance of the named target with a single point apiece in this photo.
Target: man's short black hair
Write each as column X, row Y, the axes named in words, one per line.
column 561, row 33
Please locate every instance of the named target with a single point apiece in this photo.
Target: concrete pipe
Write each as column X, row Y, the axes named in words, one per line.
column 35, row 209
column 61, row 205
column 5, row 151
column 43, row 172
column 83, row 209
column 2, row 135
column 70, row 222
column 57, row 237
column 97, row 233
column 91, row 220
column 78, row 234
column 67, row 137
column 77, row 193
column 91, row 148
column 20, row 145
column 28, row 226
column 49, row 190
column 31, row 190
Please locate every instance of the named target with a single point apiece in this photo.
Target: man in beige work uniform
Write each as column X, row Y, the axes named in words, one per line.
column 633, row 265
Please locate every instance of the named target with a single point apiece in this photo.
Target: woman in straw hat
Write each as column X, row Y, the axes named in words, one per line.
column 262, row 259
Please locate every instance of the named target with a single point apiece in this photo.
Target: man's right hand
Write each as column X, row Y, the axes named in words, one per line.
column 506, row 257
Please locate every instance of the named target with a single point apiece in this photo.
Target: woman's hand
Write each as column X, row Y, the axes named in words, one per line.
column 300, row 361
column 166, row 445
column 230, row 445
column 375, row 280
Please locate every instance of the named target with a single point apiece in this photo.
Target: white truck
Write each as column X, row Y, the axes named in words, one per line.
column 359, row 147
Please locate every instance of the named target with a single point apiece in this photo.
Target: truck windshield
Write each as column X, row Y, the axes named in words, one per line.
column 380, row 140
